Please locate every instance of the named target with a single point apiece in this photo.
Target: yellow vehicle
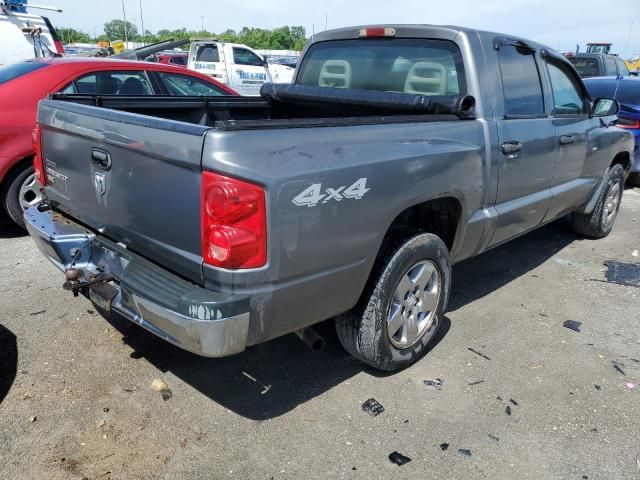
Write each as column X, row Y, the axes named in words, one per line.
column 633, row 64
column 114, row 48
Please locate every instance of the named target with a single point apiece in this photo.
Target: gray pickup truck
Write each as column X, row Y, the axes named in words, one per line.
column 220, row 223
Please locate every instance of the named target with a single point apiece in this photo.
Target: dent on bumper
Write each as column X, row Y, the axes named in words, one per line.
column 204, row 322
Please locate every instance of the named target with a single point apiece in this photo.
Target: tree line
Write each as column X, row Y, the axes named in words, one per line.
column 283, row 38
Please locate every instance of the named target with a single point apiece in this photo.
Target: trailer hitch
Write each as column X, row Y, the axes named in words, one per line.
column 76, row 280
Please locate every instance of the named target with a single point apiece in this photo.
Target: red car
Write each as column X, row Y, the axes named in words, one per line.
column 170, row 58
column 22, row 85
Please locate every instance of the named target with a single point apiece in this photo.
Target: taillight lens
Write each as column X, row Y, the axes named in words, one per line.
column 234, row 226
column 38, row 164
column 628, row 123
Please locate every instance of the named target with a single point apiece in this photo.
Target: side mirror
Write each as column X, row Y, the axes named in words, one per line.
column 604, row 107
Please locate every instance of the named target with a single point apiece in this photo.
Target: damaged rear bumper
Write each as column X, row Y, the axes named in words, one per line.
column 207, row 323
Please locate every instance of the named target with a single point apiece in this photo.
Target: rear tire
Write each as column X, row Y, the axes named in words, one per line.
column 21, row 191
column 599, row 222
column 402, row 306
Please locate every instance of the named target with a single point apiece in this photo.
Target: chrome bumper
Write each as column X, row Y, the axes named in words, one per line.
column 204, row 322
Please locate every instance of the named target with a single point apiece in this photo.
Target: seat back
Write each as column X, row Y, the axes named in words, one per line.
column 426, row 78
column 132, row 86
column 335, row 73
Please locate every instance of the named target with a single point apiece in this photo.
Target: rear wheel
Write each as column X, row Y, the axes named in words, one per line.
column 21, row 192
column 599, row 222
column 401, row 311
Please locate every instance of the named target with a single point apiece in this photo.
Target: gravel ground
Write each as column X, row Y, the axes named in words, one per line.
column 541, row 402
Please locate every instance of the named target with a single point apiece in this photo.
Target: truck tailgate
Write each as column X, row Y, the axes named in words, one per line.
column 133, row 178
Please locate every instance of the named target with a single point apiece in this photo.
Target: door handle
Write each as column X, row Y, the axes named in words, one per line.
column 511, row 148
column 101, row 158
column 566, row 140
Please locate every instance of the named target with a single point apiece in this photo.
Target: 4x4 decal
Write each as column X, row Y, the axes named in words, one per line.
column 312, row 195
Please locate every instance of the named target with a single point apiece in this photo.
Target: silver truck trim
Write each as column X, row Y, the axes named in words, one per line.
column 206, row 323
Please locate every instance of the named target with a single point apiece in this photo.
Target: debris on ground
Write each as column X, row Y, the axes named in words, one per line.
column 513, row 402
column 159, row 385
column 372, row 407
column 508, row 410
column 494, row 438
column 464, row 452
column 620, row 273
column 33, row 419
column 435, row 383
column 91, row 312
column 444, row 447
column 105, row 410
column 572, row 325
column 476, row 382
column 265, row 388
column 634, row 253
column 630, row 385
column 398, row 459
column 478, row 353
column 618, row 369
column 33, row 314
column 598, row 387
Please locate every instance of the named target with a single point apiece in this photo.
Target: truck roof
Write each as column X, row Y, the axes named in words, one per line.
column 416, row 30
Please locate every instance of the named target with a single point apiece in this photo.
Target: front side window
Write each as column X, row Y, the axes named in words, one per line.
column 242, row 56
column 520, row 82
column 111, row 83
column 567, row 94
column 184, row 85
column 622, row 68
column 414, row 66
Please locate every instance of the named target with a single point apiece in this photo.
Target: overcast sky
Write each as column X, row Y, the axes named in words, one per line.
column 558, row 23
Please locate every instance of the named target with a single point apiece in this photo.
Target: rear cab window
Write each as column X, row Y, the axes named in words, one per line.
column 610, row 65
column 521, row 85
column 586, row 67
column 11, row 72
column 208, row 53
column 414, row 66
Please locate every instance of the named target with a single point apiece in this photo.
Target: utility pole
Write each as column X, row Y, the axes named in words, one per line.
column 124, row 18
column 202, row 23
column 326, row 20
column 142, row 23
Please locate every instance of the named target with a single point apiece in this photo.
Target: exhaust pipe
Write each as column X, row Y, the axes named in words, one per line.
column 311, row 339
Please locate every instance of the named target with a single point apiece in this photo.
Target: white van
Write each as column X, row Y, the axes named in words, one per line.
column 24, row 36
column 237, row 66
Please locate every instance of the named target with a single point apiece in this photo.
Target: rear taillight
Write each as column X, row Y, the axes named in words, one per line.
column 38, row 164
column 234, row 225
column 628, row 123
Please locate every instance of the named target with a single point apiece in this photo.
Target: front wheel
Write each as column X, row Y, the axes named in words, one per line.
column 402, row 308
column 599, row 222
column 22, row 191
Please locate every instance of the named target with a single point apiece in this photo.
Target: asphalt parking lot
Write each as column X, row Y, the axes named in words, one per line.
column 521, row 395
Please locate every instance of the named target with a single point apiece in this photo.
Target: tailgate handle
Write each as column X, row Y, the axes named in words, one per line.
column 101, row 158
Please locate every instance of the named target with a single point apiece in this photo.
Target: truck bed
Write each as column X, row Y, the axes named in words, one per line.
column 289, row 106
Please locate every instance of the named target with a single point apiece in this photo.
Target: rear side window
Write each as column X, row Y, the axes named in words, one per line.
column 178, row 60
column 16, row 70
column 520, row 81
column 414, row 66
column 610, row 65
column 111, row 83
column 208, row 53
column 586, row 67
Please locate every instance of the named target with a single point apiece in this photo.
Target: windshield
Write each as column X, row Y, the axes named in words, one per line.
column 416, row 66
column 586, row 67
column 10, row 72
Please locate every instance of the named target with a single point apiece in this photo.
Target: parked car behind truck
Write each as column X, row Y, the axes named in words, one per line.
column 23, row 84
column 399, row 151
